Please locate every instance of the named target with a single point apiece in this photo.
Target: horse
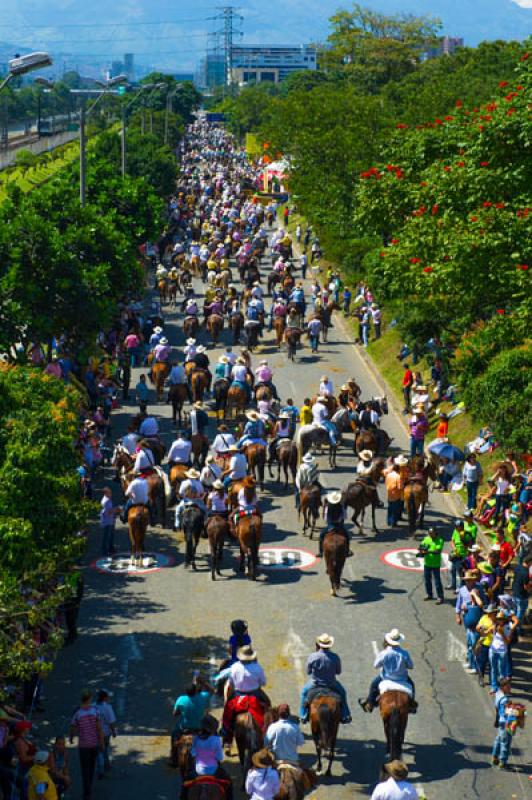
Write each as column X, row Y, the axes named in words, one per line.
column 263, row 392
column 359, row 494
column 249, row 739
column 416, row 492
column 177, row 394
column 200, row 449
column 325, row 713
column 193, row 526
column 376, row 441
column 236, row 398
column 279, row 325
column 295, row 781
column 251, row 329
column 215, row 324
column 172, row 293
column 394, row 707
column 249, row 534
column 236, row 324
column 159, row 490
column 177, row 476
column 198, row 383
column 335, row 547
column 325, row 314
column 162, row 287
column 220, row 389
column 158, row 374
column 292, row 337
column 180, row 755
column 309, row 506
column 256, row 456
column 311, row 435
column 137, row 521
column 286, row 456
column 191, row 327
column 218, row 530
column 205, row 789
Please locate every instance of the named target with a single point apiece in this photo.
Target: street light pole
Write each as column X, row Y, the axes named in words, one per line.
column 21, row 65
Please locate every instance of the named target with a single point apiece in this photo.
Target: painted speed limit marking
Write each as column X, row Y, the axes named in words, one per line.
column 121, row 564
column 406, row 558
column 286, row 558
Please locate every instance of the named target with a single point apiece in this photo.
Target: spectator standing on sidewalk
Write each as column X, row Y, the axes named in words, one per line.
column 472, row 475
column 419, row 426
column 408, row 380
column 87, row 726
column 376, row 315
column 394, row 489
column 431, row 549
column 108, row 720
column 303, row 260
column 346, row 299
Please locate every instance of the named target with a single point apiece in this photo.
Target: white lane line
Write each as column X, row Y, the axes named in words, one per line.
column 456, row 649
column 375, row 648
column 129, row 652
column 296, row 650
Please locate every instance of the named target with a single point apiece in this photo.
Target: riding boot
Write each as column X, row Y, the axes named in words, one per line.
column 365, row 705
column 413, row 706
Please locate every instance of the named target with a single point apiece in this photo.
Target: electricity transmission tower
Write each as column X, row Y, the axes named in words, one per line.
column 230, row 19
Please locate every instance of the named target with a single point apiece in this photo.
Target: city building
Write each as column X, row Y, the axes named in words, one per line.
column 211, row 71
column 259, row 63
column 446, row 46
column 129, row 66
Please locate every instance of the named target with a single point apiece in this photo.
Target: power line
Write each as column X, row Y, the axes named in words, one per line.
column 98, row 24
column 229, row 17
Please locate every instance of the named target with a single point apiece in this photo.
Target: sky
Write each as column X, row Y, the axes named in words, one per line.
column 173, row 34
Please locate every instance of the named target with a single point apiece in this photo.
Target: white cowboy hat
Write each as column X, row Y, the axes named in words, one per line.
column 309, row 459
column 325, row 641
column 233, row 447
column 198, row 404
column 400, row 461
column 192, row 473
column 475, row 548
column 157, row 329
column 201, row 349
column 264, row 361
column 344, row 388
column 246, row 653
column 393, row 638
column 324, row 378
column 191, row 341
column 217, row 484
column 284, row 415
column 252, row 415
column 163, row 340
column 322, row 399
column 365, row 455
column 334, row 498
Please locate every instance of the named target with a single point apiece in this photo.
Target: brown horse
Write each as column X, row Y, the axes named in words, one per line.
column 249, row 534
column 198, row 383
column 376, row 441
column 220, row 390
column 416, row 492
column 295, row 781
column 249, row 738
column 215, row 325
column 162, row 287
column 200, row 449
column 158, row 374
column 286, row 456
column 279, row 325
column 256, row 456
column 236, row 323
column 177, row 395
column 310, row 504
column 177, row 476
column 180, row 755
column 205, row 789
column 191, row 327
column 335, row 547
column 218, row 530
column 325, row 715
column 292, row 338
column 263, row 393
column 360, row 494
column 137, row 520
column 172, row 293
column 236, row 399
column 394, row 708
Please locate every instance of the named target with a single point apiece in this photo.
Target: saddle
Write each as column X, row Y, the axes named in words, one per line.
column 394, row 686
column 191, row 317
column 322, row 691
column 209, row 780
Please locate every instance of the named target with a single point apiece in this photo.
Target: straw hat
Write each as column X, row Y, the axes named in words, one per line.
column 252, row 415
column 192, row 473
column 400, row 461
column 262, row 759
column 333, row 498
column 198, row 404
column 217, row 484
column 157, row 329
column 396, row 769
column 325, row 641
column 365, row 455
column 223, row 360
column 308, row 458
column 393, row 637
column 191, row 341
column 471, row 575
column 246, row 653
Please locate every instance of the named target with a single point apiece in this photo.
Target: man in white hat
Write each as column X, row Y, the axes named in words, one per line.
column 199, row 420
column 155, row 338
column 239, row 375
column 192, row 493
column 211, row 473
column 334, row 516
column 161, row 351
column 190, row 350
column 238, row 466
column 307, row 475
column 326, row 387
column 254, row 430
column 246, row 677
column 394, row 785
column 320, row 417
column 393, row 663
column 323, row 666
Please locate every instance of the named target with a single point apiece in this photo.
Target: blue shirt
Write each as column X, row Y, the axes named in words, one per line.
column 323, row 667
column 463, row 599
column 192, row 710
column 234, row 645
column 394, row 663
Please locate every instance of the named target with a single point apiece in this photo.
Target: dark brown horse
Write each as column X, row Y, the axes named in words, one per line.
column 158, row 374
column 279, row 324
column 263, row 393
column 218, row 531
column 157, row 489
column 249, row 534
column 215, row 325
column 236, row 323
column 137, row 520
column 256, row 456
column 376, row 441
column 198, row 382
column 286, row 457
column 310, row 504
column 360, row 494
column 295, row 781
column 177, row 395
column 335, row 549
column 162, row 287
column 292, row 337
column 180, row 755
column 394, row 708
column 237, row 400
column 416, row 492
column 310, row 436
column 193, row 526
column 177, row 476
column 249, row 737
column 325, row 715
column 191, row 327
column 220, row 389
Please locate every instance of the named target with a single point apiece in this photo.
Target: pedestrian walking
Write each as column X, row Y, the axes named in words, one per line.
column 522, row 586
column 376, row 315
column 87, row 726
column 408, row 380
column 304, row 264
column 498, row 651
column 298, row 233
column 468, row 610
column 142, row 391
column 503, row 740
column 430, row 550
column 108, row 515
column 458, row 554
column 364, row 326
column 108, row 720
column 314, row 328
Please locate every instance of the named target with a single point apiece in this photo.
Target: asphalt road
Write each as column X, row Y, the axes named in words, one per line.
column 141, row 636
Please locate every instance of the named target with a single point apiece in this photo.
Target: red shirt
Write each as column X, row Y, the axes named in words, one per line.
column 506, row 552
column 408, row 378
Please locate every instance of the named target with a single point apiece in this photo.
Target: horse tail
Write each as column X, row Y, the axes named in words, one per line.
column 325, row 719
column 196, row 387
column 395, row 734
column 411, row 507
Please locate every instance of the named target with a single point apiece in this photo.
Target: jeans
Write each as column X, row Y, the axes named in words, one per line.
column 482, row 659
column 498, row 668
column 331, row 428
column 102, row 761
column 472, row 638
column 394, row 512
column 429, row 573
column 521, row 607
column 373, row 695
column 314, row 341
column 472, row 491
column 377, row 329
column 108, row 539
column 456, row 569
column 336, row 687
column 87, row 761
column 502, row 745
column 406, row 394
column 365, row 334
column 502, row 502
column 416, row 446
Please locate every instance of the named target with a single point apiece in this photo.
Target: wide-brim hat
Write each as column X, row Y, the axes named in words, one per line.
column 192, row 473
column 252, row 415
column 322, row 399
column 421, row 388
column 471, row 575
column 241, row 360
column 419, row 409
column 246, row 653
column 325, row 641
column 344, row 388
column 201, row 349
column 400, row 461
column 198, row 404
column 324, row 378
column 396, row 769
column 262, row 759
column 191, row 341
column 394, row 637
column 365, row 455
column 475, row 548
column 223, row 360
column 264, row 361
column 157, row 329
column 217, row 484
column 163, row 340
column 333, row 498
column 308, row 458
column 233, row 448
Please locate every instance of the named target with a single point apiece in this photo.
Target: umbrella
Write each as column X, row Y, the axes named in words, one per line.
column 446, row 450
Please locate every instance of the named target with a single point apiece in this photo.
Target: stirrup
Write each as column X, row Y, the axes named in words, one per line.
column 365, row 705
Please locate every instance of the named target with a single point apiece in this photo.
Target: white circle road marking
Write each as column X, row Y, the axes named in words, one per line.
column 286, row 558
column 405, row 558
column 120, row 564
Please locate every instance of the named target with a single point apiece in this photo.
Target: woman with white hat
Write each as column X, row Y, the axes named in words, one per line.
column 192, row 493
column 393, row 663
column 210, row 473
column 190, row 350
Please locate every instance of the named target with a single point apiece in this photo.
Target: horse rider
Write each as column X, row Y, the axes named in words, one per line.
column 284, row 737
column 161, row 351
column 218, row 500
column 155, row 338
column 211, row 472
column 178, row 377
column 393, row 663
column 277, row 310
column 294, row 319
column 326, row 387
column 308, row 474
column 320, row 418
column 190, row 350
column 149, row 427
column 246, row 678
column 323, row 666
column 192, row 493
column 334, row 516
column 263, row 377
column 223, row 440
column 368, row 419
column 238, row 466
column 161, row 273
column 239, row 375
column 131, row 439
column 144, row 460
column 191, row 308
column 217, row 306
column 137, row 494
column 201, row 362
column 297, row 296
column 254, row 430
column 364, row 473
column 257, row 291
column 189, row 708
column 180, row 450
column 281, row 430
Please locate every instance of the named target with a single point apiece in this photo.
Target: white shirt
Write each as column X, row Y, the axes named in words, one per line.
column 149, row 427
column 239, row 372
column 223, row 442
column 138, row 491
column 191, row 488
column 216, row 502
column 283, row 738
column 209, row 474
column 262, row 784
column 394, row 790
column 107, row 717
column 231, row 357
column 190, row 352
column 238, row 466
column 326, row 388
column 319, row 413
column 247, row 677
column 180, row 451
column 130, row 442
column 144, row 460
